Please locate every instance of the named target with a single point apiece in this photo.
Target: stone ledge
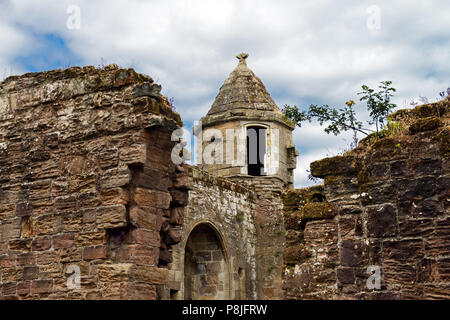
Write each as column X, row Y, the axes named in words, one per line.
column 333, row 166
column 199, row 175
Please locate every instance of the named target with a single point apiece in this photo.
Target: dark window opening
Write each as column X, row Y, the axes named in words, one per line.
column 256, row 150
column 173, row 294
column 241, row 274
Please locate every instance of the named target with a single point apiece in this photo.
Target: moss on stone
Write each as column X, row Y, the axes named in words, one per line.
column 317, row 211
column 428, row 110
column 288, row 121
column 385, row 143
column 292, row 220
column 333, row 166
column 363, row 174
column 294, row 199
column 315, row 194
column 294, row 237
column 437, row 109
column 425, row 124
column 332, row 180
column 240, row 216
column 296, row 254
column 270, row 269
column 443, row 138
column 291, row 200
column 378, row 140
column 400, row 114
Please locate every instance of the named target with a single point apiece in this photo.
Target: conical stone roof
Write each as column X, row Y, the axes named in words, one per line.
column 243, row 90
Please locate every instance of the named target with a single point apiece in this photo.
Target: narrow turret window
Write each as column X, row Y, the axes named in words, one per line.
column 256, row 150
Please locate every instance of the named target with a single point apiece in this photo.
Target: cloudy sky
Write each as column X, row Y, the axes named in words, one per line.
column 305, row 52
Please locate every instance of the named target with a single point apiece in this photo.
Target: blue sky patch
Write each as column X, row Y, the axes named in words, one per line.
column 47, row 52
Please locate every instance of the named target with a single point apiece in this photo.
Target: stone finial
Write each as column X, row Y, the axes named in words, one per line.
column 242, row 56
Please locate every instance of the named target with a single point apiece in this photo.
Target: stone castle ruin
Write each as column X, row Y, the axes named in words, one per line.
column 93, row 207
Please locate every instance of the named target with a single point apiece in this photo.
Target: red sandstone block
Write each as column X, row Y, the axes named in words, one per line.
column 135, row 154
column 179, row 197
column 151, row 178
column 114, row 196
column 47, row 257
column 63, row 241
column 269, row 293
column 41, row 244
column 24, row 209
column 112, row 179
column 141, row 292
column 146, row 237
column 108, row 157
column 152, row 198
column 8, row 261
column 177, row 216
column 149, row 274
column 92, row 253
column 88, row 199
column 71, row 254
column 27, row 259
column 137, row 253
column 76, row 165
column 94, row 295
column 173, row 236
column 24, row 288
column 9, row 289
column 88, row 283
column 114, row 273
column 20, row 245
column 30, row 273
column 93, row 269
column 111, row 217
column 145, row 217
column 182, row 181
column 42, row 286
column 3, row 248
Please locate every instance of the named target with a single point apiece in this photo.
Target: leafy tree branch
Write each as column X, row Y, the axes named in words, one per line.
column 344, row 119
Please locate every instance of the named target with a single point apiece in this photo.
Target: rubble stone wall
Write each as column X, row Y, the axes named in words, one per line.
column 86, row 185
column 383, row 209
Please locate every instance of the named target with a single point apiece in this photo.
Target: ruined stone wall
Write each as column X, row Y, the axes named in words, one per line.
column 384, row 204
column 270, row 233
column 87, row 188
column 224, row 210
column 86, row 184
column 271, row 236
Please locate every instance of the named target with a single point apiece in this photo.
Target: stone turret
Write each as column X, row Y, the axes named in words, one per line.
column 247, row 138
column 248, row 122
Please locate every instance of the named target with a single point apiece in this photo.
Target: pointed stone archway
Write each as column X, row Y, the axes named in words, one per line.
column 206, row 267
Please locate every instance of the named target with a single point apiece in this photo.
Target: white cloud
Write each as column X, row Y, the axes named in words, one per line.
column 304, row 51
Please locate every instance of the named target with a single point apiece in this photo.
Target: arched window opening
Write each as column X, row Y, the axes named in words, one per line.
column 256, row 150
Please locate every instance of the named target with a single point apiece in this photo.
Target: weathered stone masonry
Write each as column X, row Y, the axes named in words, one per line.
column 385, row 204
column 86, row 181
column 87, row 184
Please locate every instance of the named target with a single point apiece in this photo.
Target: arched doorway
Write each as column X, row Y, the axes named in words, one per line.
column 206, row 271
